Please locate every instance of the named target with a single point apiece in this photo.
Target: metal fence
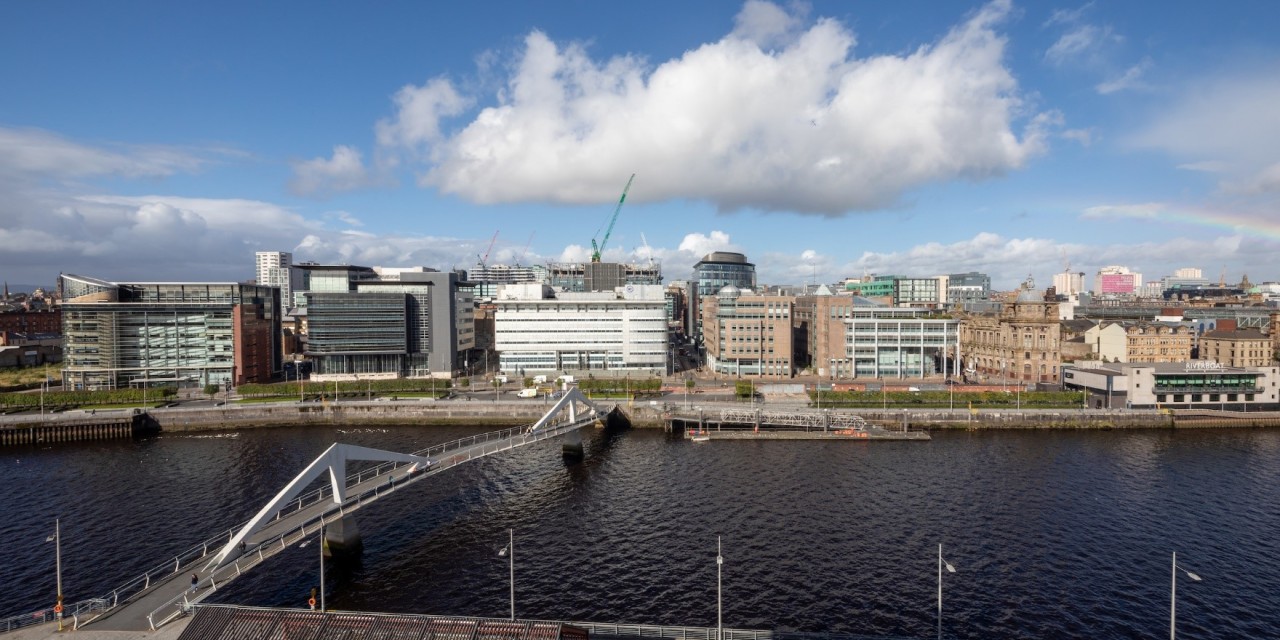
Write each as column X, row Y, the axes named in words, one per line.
column 72, row 612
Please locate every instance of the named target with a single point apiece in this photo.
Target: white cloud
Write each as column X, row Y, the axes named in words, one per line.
column 765, row 23
column 1067, row 16
column 1080, row 41
column 1206, row 166
column 699, row 244
column 418, row 114
column 342, row 172
column 1130, row 79
column 1146, row 210
column 1085, row 137
column 35, row 152
column 806, row 127
column 1009, row 260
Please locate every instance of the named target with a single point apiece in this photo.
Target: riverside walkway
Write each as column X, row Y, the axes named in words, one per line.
column 165, row 592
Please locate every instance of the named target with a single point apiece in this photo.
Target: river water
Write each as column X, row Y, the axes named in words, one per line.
column 1053, row 534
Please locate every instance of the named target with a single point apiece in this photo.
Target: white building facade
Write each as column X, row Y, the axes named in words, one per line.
column 901, row 343
column 602, row 333
column 275, row 269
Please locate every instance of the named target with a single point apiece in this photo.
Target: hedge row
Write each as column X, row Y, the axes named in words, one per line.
column 348, row 388
column 620, row 385
column 85, row 398
column 1027, row 399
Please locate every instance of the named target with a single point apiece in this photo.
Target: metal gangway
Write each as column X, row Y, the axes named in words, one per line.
column 295, row 514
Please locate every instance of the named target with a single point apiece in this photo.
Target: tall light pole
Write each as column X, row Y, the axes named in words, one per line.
column 510, row 552
column 950, row 569
column 322, row 564
column 56, row 539
column 719, row 602
column 1173, row 595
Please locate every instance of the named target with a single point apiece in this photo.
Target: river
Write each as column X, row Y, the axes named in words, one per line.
column 1052, row 534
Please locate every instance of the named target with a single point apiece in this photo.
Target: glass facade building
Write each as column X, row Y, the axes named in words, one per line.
column 899, row 343
column 720, row 269
column 121, row 335
column 407, row 322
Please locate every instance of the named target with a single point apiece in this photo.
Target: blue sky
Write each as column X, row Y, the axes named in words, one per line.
column 166, row 141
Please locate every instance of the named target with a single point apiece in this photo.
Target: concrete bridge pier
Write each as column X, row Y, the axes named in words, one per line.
column 571, row 446
column 342, row 538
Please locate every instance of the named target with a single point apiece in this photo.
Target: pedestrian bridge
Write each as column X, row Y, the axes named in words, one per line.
column 297, row 512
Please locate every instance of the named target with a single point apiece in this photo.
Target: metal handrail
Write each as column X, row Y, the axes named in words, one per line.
column 73, row 611
column 282, row 541
column 142, row 582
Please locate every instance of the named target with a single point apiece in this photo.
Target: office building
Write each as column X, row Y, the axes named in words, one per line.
column 538, row 330
column 1236, row 348
column 1140, row 341
column 1117, row 281
column 1068, row 284
column 601, row 276
column 275, row 269
column 872, row 286
column 153, row 334
column 918, row 292
column 820, row 330
column 968, row 287
column 746, row 334
column 406, row 322
column 715, row 271
column 886, row 342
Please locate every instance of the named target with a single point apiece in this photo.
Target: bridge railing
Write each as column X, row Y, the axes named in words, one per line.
column 310, row 498
column 72, row 612
column 270, row 547
column 201, row 549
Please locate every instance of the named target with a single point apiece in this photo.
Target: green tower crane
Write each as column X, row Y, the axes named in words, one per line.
column 595, row 250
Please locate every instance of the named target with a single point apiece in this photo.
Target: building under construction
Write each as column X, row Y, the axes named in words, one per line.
column 601, row 276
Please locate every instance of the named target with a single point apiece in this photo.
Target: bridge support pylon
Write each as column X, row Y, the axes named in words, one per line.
column 342, row 537
column 571, row 446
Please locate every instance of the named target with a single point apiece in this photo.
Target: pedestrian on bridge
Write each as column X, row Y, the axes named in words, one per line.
column 195, row 580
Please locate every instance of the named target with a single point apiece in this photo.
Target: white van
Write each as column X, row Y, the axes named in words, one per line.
column 527, row 393
column 539, row 379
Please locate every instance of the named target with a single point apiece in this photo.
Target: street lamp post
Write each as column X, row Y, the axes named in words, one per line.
column 322, row 565
column 56, row 539
column 1173, row 595
column 950, row 569
column 719, row 602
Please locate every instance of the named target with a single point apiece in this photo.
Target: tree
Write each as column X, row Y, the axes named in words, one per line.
column 212, row 390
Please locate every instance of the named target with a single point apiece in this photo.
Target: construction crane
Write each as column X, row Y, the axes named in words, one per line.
column 484, row 260
column 526, row 248
column 595, row 250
